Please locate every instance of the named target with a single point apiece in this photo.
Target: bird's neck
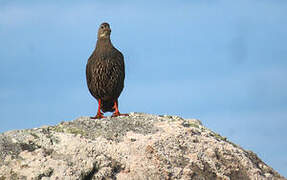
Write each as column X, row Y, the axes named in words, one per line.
column 104, row 44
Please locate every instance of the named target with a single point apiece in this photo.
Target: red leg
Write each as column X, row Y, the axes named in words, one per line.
column 99, row 113
column 117, row 112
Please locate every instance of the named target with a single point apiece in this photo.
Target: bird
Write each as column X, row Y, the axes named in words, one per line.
column 105, row 73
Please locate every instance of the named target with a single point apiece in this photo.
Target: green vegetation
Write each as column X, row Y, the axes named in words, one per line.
column 218, row 136
column 194, row 125
column 71, row 130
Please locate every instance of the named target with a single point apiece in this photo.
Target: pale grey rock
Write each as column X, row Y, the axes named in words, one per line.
column 139, row 146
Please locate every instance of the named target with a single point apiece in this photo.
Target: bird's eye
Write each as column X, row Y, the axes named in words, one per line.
column 102, row 27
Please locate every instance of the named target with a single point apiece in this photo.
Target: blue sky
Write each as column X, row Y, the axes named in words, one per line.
column 223, row 62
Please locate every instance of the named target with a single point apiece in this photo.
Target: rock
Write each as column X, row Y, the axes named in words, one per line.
column 139, row 146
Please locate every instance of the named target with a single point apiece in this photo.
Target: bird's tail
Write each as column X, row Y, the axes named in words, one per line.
column 108, row 106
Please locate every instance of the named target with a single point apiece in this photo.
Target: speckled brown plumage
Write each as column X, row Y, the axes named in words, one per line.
column 105, row 73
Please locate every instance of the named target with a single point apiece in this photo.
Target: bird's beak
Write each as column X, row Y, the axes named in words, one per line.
column 107, row 31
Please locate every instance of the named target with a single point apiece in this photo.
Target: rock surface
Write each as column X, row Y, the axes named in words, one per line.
column 139, row 146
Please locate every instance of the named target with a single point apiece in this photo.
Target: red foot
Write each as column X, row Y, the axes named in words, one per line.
column 99, row 113
column 98, row 116
column 117, row 113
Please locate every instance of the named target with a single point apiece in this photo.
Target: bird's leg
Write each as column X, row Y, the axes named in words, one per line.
column 117, row 112
column 99, row 113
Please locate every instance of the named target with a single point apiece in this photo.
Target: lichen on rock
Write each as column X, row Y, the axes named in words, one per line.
column 138, row 146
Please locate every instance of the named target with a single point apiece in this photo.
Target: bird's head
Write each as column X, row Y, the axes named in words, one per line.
column 104, row 31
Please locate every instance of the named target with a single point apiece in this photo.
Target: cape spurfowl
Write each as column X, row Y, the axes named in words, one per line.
column 105, row 73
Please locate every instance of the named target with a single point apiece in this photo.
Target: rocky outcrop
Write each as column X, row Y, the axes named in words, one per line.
column 139, row 146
